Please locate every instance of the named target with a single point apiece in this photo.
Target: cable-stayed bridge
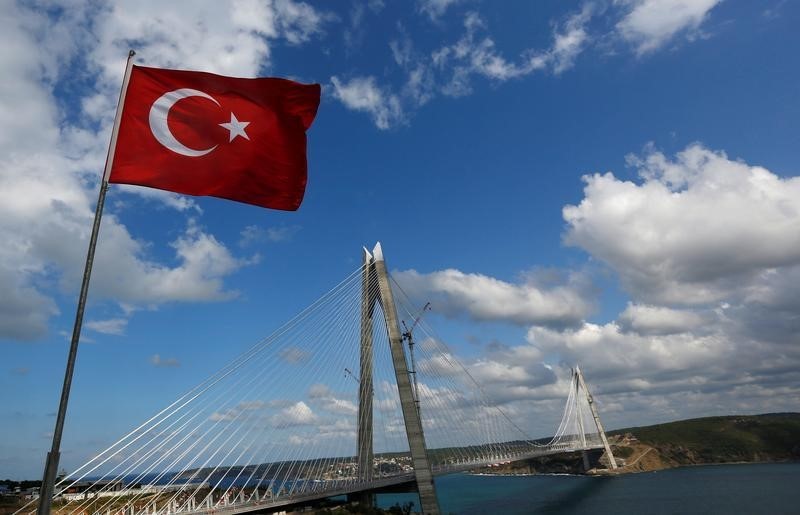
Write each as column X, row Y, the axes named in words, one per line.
column 339, row 400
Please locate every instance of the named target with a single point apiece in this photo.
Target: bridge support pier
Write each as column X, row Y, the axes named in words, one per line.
column 586, row 464
column 375, row 270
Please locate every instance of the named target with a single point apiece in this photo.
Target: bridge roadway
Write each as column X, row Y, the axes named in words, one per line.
column 343, row 487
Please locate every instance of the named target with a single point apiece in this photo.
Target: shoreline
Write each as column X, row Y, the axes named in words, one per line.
column 608, row 473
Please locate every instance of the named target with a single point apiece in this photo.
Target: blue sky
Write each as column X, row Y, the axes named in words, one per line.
column 606, row 182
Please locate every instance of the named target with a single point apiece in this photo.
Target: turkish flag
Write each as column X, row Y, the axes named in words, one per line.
column 203, row 134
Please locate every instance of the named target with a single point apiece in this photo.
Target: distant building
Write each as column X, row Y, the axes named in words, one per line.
column 30, row 494
column 85, row 489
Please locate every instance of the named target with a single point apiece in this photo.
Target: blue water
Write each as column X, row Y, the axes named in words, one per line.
column 771, row 489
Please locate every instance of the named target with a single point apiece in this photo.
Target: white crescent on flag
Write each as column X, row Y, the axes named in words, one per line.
column 159, row 112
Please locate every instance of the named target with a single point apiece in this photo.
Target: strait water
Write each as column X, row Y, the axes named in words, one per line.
column 769, row 489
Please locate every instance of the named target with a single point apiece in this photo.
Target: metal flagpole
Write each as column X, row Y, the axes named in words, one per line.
column 51, row 466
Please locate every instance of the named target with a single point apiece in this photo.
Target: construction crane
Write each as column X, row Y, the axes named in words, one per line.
column 348, row 372
column 408, row 336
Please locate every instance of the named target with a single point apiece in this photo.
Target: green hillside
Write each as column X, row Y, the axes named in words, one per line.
column 770, row 437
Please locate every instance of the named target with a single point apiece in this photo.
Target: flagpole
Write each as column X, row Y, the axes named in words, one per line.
column 51, row 466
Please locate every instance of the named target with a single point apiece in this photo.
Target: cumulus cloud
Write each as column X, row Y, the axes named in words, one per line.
column 660, row 371
column 706, row 246
column 124, row 274
column 504, row 373
column 298, row 414
column 695, row 229
column 650, row 24
column 115, row 326
column 636, row 378
column 610, row 351
column 322, row 396
column 658, row 320
column 485, row 298
column 24, row 311
column 363, row 94
column 230, row 39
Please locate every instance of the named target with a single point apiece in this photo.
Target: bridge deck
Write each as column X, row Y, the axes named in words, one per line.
column 344, row 487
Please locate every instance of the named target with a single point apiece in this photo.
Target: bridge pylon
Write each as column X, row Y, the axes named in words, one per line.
column 377, row 289
column 580, row 383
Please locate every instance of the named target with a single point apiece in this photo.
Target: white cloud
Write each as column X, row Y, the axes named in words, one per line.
column 476, row 54
column 636, row 378
column 401, row 50
column 237, row 412
column 717, row 237
column 298, row 414
column 435, row 8
column 227, row 416
column 157, row 361
column 485, row 298
column 343, row 428
column 24, row 311
column 570, row 42
column 449, row 69
column 297, row 440
column 322, row 397
column 114, row 326
column 363, row 94
column 505, row 373
column 420, row 88
column 658, row 320
column 298, row 21
column 227, row 38
column 650, row 24
column 708, row 248
column 341, row 406
column 774, row 12
column 124, row 274
column 253, row 234
column 294, row 355
column 697, row 229
column 689, row 373
column 488, row 371
column 376, row 6
column 251, row 405
column 610, row 351
column 319, row 391
column 164, row 198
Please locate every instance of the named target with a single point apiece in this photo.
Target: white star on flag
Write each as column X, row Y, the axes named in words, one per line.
column 235, row 128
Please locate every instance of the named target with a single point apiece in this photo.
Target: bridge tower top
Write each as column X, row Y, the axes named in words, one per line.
column 375, row 272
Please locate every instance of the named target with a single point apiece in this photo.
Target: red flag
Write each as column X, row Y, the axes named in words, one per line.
column 203, row 134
